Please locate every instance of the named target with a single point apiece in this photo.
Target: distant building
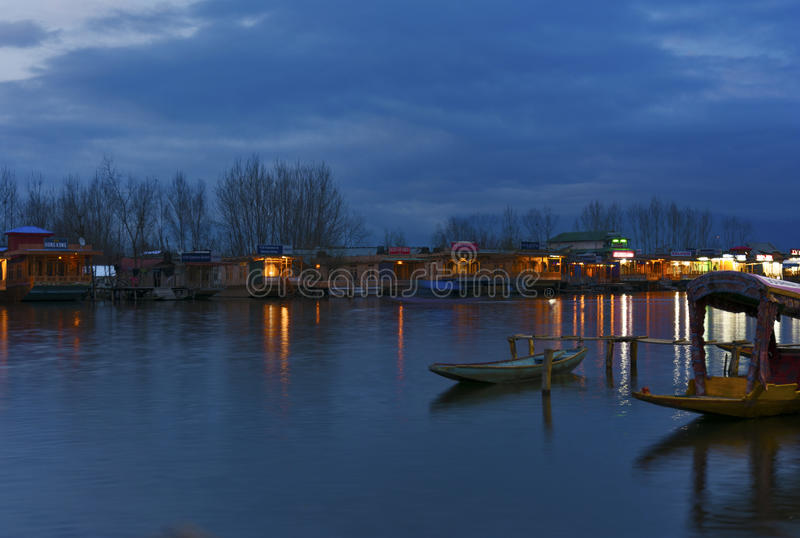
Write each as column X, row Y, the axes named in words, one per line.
column 597, row 242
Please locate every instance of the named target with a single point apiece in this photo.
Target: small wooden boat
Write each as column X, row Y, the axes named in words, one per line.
column 512, row 370
column 771, row 385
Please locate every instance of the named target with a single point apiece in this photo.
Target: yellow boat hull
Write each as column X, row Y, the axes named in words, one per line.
column 726, row 396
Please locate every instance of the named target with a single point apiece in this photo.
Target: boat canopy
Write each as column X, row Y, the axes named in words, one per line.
column 758, row 296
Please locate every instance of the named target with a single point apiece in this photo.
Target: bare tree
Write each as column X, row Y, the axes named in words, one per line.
column 135, row 206
column 509, row 229
column 37, row 208
column 297, row 204
column 199, row 222
column 178, row 209
column 393, row 238
column 8, row 197
column 549, row 223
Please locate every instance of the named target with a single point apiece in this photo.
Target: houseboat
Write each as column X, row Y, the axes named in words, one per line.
column 39, row 267
column 771, row 384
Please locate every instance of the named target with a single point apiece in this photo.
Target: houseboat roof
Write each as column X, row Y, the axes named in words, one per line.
column 735, row 291
column 29, row 230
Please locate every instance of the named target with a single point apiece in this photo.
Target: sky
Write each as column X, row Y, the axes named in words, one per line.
column 422, row 109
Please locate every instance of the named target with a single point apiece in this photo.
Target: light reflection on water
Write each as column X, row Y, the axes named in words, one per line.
column 299, row 417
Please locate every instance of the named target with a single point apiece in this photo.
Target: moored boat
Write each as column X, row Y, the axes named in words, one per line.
column 770, row 387
column 512, row 370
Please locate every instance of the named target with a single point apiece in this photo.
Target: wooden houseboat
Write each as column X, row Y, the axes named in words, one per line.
column 39, row 267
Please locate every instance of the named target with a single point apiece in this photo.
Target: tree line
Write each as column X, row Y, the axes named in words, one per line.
column 651, row 227
column 296, row 204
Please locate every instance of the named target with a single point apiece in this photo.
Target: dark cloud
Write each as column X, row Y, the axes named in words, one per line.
column 425, row 109
column 21, row 34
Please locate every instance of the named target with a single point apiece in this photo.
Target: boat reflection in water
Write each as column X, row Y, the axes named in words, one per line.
column 745, row 475
column 476, row 394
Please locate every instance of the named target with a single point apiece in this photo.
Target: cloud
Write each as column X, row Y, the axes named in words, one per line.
column 21, row 34
column 424, row 109
column 49, row 29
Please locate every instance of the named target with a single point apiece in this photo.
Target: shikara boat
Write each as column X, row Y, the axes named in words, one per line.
column 771, row 384
column 512, row 370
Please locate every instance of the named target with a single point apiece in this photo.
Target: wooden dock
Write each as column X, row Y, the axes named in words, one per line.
column 634, row 341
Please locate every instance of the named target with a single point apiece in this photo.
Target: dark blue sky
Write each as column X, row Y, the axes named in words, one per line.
column 422, row 109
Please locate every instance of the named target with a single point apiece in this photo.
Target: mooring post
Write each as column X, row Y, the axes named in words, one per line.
column 512, row 343
column 530, row 346
column 634, row 353
column 609, row 354
column 548, row 371
column 733, row 368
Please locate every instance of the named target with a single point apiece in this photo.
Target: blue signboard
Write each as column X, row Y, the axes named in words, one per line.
column 270, row 250
column 529, row 245
column 53, row 242
column 201, row 256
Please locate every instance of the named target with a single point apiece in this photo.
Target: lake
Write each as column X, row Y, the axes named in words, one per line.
column 248, row 418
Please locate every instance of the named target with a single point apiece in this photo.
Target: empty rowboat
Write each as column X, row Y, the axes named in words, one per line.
column 512, row 370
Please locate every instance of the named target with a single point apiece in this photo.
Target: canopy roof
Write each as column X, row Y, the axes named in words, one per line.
column 742, row 292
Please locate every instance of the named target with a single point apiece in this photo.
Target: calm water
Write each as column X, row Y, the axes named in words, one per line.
column 297, row 418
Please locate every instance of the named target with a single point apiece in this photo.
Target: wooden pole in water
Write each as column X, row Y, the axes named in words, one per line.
column 634, row 353
column 530, row 347
column 548, row 371
column 609, row 353
column 512, row 343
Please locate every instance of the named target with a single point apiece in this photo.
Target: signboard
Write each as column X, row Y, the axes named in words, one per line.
column 763, row 257
column 529, row 245
column 622, row 254
column 54, row 242
column 796, row 252
column 270, row 250
column 681, row 253
column 709, row 252
column 399, row 251
column 197, row 256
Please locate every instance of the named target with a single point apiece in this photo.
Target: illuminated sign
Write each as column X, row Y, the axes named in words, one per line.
column 796, row 252
column 622, row 254
column 681, row 253
column 52, row 242
column 529, row 245
column 763, row 257
column 741, row 258
column 399, row 251
column 273, row 250
column 197, row 256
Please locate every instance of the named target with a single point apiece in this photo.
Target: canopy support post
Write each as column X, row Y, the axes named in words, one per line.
column 697, row 316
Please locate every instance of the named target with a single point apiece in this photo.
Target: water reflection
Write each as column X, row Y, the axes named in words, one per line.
column 462, row 395
column 400, row 343
column 758, row 497
column 276, row 342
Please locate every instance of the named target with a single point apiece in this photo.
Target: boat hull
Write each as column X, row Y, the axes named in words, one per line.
column 511, row 371
column 66, row 292
column 725, row 396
